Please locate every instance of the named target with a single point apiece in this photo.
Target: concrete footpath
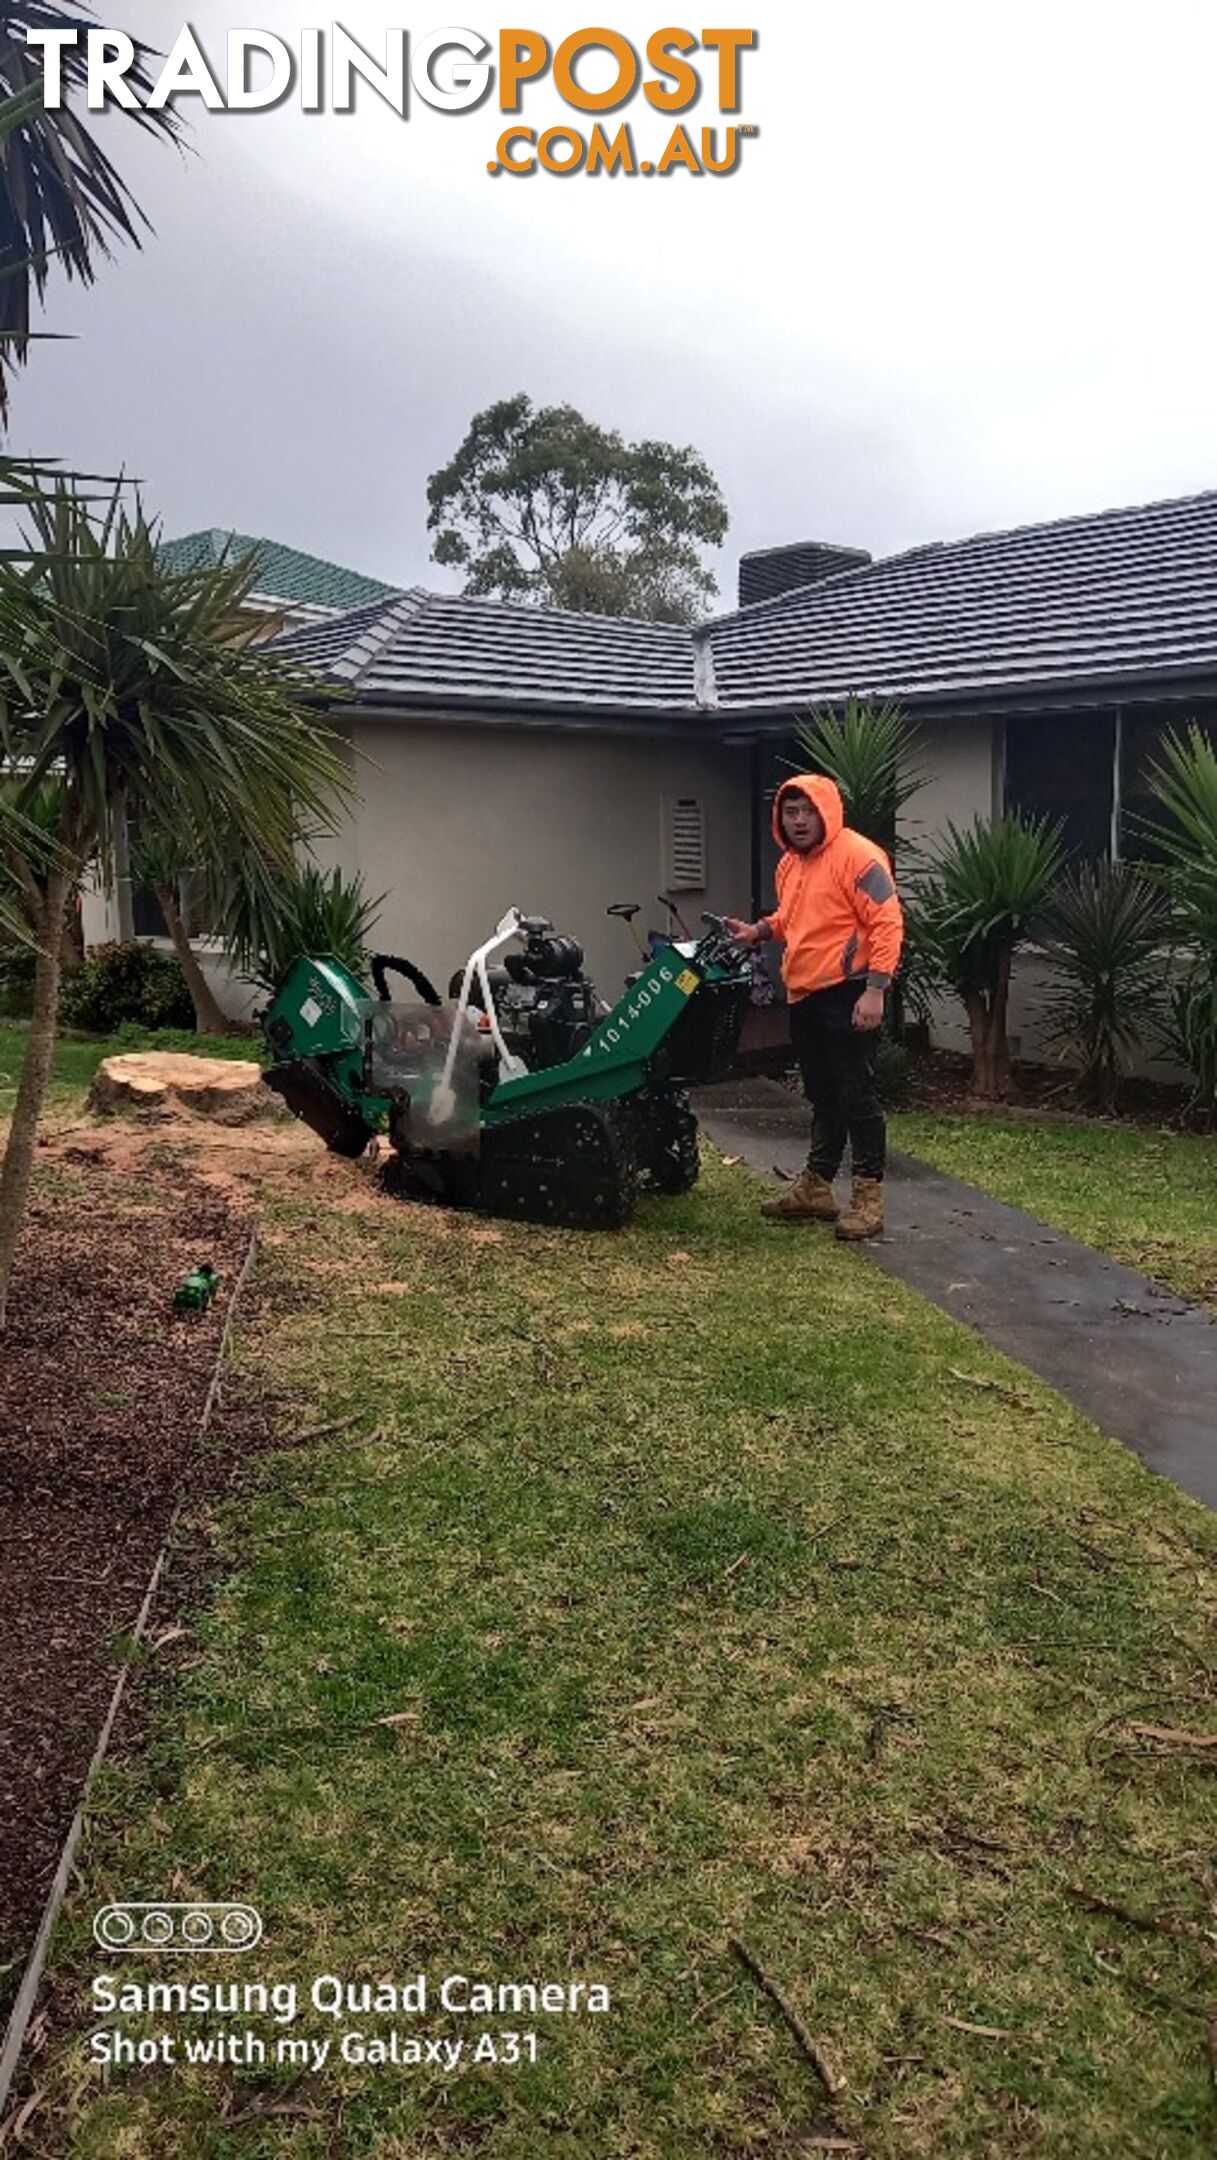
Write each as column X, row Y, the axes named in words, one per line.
column 1136, row 1358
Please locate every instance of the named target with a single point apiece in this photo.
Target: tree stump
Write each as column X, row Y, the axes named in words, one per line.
column 167, row 1083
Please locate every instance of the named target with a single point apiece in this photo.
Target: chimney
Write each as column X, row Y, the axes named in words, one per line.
column 770, row 571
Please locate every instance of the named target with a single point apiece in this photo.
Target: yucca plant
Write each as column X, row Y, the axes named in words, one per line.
column 984, row 895
column 1106, row 926
column 130, row 687
column 1184, row 781
column 268, row 917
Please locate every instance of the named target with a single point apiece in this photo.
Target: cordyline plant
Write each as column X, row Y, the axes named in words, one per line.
column 1106, row 927
column 62, row 201
column 1184, row 782
column 135, row 689
column 984, row 895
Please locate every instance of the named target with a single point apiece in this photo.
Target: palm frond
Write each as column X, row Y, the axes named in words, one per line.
column 62, row 201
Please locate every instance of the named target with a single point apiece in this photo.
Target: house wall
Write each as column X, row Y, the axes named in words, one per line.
column 457, row 824
column 454, row 824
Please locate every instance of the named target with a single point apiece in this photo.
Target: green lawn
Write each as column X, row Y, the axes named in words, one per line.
column 77, row 1058
column 1148, row 1198
column 665, row 1585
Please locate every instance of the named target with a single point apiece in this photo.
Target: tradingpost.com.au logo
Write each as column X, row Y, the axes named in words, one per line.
column 595, row 72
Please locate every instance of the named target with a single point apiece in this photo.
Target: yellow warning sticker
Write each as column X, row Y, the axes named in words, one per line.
column 686, row 982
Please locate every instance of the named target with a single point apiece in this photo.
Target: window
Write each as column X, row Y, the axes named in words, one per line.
column 1142, row 735
column 684, row 844
column 1062, row 766
column 1092, row 771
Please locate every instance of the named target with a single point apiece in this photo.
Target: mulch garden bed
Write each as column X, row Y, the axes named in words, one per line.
column 102, row 1388
column 942, row 1084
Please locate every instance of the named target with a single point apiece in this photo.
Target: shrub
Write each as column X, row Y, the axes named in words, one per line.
column 893, row 1071
column 1185, row 783
column 870, row 751
column 268, row 918
column 985, row 895
column 16, row 981
column 130, row 982
column 1106, row 927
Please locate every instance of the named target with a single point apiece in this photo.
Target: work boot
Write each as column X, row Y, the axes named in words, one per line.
column 809, row 1199
column 864, row 1215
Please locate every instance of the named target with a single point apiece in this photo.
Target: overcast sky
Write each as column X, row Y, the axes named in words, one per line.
column 961, row 280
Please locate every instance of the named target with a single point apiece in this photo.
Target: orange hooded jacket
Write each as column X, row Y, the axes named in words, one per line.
column 838, row 913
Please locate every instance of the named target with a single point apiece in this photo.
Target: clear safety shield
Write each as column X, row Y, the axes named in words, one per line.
column 427, row 1059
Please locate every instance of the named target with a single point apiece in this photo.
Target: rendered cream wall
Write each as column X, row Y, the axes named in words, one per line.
column 457, row 824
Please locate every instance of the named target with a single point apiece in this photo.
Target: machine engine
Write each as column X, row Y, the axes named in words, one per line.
column 545, row 1004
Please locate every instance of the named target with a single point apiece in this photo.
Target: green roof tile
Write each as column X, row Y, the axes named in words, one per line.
column 284, row 573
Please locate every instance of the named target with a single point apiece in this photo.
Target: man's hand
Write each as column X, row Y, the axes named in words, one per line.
column 744, row 933
column 868, row 1012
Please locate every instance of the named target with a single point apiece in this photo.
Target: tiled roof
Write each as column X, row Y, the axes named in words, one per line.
column 1086, row 604
column 284, row 573
column 1121, row 595
column 435, row 648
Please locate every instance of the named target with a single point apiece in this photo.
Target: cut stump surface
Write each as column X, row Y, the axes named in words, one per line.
column 166, row 1083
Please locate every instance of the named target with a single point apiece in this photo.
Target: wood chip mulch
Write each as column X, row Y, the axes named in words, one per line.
column 102, row 1387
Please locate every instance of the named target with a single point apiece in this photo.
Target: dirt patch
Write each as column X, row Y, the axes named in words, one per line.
column 102, row 1386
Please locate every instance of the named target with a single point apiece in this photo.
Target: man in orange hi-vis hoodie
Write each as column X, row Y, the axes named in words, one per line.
column 839, row 918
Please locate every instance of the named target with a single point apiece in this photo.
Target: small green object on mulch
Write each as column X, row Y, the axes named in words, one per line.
column 198, row 1290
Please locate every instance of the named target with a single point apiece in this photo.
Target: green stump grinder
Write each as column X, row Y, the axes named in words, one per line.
column 524, row 1095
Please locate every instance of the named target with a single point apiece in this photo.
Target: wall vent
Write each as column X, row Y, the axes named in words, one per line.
column 684, row 844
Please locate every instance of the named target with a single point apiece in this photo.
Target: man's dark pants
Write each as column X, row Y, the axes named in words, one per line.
column 837, row 1061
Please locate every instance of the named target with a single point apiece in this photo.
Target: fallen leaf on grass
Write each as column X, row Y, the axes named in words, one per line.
column 393, row 1289
column 730, row 1161
column 987, row 2032
column 399, row 1717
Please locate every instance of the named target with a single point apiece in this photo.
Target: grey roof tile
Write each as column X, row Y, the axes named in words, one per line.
column 437, row 648
column 1122, row 596
column 1116, row 595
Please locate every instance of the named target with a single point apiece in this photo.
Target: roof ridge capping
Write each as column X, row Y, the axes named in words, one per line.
column 393, row 616
column 543, row 613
